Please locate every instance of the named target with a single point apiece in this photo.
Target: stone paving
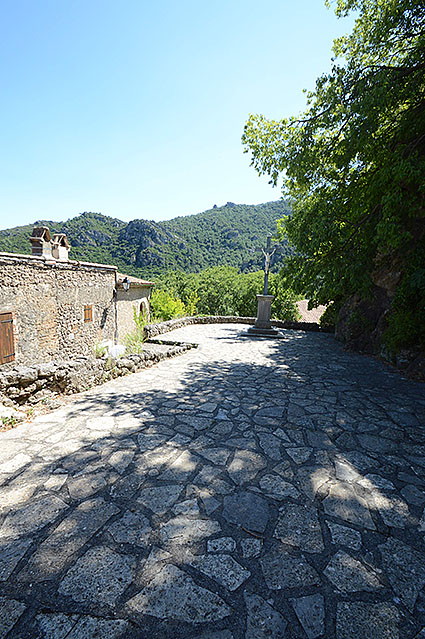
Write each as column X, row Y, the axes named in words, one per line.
column 248, row 489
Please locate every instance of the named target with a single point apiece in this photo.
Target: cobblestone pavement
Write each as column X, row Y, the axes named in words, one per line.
column 248, row 489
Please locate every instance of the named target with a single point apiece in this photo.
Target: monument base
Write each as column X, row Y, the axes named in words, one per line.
column 253, row 331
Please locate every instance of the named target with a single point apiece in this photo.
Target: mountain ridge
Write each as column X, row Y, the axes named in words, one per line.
column 232, row 235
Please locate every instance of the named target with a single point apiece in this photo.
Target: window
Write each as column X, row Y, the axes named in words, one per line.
column 88, row 313
column 7, row 340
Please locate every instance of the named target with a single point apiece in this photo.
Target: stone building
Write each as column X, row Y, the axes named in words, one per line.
column 52, row 307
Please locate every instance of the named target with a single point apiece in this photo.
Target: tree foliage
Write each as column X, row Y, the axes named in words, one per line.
column 354, row 162
column 222, row 290
column 226, row 235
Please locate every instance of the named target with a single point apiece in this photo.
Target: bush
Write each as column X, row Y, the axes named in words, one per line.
column 165, row 306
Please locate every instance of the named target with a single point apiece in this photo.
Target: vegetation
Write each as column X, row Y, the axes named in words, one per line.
column 354, row 167
column 228, row 235
column 135, row 340
column 220, row 290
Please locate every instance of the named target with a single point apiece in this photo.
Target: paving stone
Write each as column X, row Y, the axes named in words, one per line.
column 55, row 482
column 131, row 528
column 281, row 434
column 172, row 594
column 310, row 611
column 277, row 487
column 15, row 463
column 11, row 552
column 100, row 576
column 32, row 516
column 223, row 568
column 413, row 495
column 270, row 445
column 282, row 570
column 360, row 620
column 149, row 441
column 10, row 611
column 247, row 510
column 61, row 626
column 405, row 569
column 374, row 443
column 242, row 443
column 346, row 471
column 373, row 482
column 106, row 422
column 312, row 480
column 55, row 625
column 210, row 503
column 393, row 510
column 71, row 535
column 198, row 423
column 251, row 547
column 350, row 575
column 344, row 502
column 86, row 485
column 216, row 455
column 221, row 634
column 299, row 455
column 92, row 627
column 245, row 466
column 299, row 526
column 345, row 536
column 159, row 499
column 188, row 507
column 120, row 460
column 223, row 544
column 15, row 495
column 263, row 621
column 182, row 530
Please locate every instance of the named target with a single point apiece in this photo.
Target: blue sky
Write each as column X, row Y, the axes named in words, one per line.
column 136, row 109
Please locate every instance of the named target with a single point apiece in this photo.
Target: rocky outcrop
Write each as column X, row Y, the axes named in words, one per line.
column 362, row 323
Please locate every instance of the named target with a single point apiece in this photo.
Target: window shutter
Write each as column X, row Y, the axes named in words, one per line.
column 7, row 340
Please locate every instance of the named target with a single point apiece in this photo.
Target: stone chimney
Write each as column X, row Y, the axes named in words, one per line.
column 41, row 241
column 60, row 247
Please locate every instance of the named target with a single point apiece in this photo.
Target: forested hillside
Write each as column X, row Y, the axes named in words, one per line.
column 230, row 235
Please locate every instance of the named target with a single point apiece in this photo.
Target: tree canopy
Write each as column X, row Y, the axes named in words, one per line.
column 354, row 162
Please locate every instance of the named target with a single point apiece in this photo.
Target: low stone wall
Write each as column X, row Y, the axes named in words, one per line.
column 28, row 385
column 152, row 330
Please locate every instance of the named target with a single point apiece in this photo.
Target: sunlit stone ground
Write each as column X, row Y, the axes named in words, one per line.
column 248, row 489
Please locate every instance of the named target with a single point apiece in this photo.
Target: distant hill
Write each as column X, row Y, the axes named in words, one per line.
column 232, row 234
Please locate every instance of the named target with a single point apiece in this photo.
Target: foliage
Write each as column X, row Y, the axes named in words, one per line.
column 230, row 234
column 100, row 350
column 135, row 340
column 222, row 290
column 406, row 321
column 329, row 318
column 165, row 306
column 354, row 163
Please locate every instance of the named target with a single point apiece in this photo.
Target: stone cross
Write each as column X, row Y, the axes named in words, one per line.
column 267, row 256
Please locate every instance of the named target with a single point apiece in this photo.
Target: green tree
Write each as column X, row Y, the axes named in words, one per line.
column 354, row 164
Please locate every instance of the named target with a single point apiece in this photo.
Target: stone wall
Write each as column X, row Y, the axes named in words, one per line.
column 164, row 327
column 126, row 302
column 47, row 299
column 29, row 385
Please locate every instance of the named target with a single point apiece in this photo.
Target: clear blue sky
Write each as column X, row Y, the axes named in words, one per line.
column 136, row 109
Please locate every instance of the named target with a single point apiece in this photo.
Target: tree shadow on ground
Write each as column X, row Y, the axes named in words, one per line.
column 134, row 476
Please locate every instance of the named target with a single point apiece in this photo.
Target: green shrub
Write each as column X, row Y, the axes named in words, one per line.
column 165, row 306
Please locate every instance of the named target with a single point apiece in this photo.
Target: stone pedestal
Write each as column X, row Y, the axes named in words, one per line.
column 263, row 327
column 264, row 311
